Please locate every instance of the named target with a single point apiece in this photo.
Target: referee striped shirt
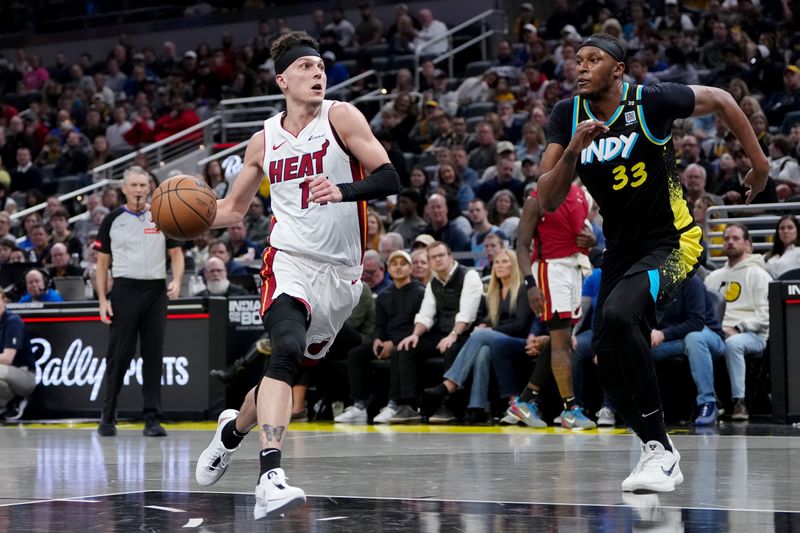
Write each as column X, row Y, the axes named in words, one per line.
column 137, row 247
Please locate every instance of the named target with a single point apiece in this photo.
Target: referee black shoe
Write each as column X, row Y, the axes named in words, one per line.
column 152, row 428
column 107, row 428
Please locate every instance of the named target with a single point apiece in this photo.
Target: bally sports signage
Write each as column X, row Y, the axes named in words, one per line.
column 70, row 344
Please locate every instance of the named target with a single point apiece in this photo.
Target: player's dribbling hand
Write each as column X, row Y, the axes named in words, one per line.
column 106, row 313
column 585, row 133
column 322, row 191
column 756, row 180
column 408, row 343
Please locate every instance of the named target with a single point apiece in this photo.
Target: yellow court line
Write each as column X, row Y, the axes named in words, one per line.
column 329, row 427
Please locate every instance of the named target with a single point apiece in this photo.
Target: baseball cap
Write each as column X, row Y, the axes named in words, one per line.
column 504, row 146
column 138, row 56
column 268, row 65
column 431, row 103
column 329, row 55
column 530, row 28
column 98, row 96
column 670, row 2
column 400, row 253
column 526, row 6
column 190, row 54
column 425, row 239
column 569, row 28
column 792, row 68
column 440, row 74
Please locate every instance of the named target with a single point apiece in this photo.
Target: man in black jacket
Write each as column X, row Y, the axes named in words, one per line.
column 395, row 309
column 442, row 325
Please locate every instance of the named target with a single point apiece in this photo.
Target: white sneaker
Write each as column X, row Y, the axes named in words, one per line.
column 215, row 459
column 384, row 416
column 352, row 415
column 606, row 418
column 659, row 471
column 627, row 483
column 275, row 496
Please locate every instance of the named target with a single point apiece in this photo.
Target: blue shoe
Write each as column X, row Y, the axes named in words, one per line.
column 575, row 419
column 708, row 414
column 527, row 413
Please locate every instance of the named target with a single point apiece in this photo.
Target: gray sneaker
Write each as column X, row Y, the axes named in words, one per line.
column 606, row 418
column 405, row 415
column 443, row 415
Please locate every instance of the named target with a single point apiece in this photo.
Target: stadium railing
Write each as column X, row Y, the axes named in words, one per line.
column 485, row 33
column 759, row 219
column 237, row 113
column 160, row 153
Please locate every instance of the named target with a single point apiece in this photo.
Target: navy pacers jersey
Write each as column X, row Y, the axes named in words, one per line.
column 631, row 172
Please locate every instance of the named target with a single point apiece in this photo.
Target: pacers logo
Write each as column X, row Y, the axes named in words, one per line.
column 732, row 291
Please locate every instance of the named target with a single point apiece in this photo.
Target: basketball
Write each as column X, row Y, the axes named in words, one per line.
column 183, row 207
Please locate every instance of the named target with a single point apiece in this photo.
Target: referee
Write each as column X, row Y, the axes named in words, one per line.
column 137, row 305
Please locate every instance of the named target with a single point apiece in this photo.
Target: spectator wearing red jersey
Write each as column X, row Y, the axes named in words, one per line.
column 177, row 120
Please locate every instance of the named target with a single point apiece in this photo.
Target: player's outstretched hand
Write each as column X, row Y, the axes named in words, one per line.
column 756, row 180
column 322, row 191
column 585, row 133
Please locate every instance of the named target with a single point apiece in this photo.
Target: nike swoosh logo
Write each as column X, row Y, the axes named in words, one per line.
column 276, row 146
column 669, row 472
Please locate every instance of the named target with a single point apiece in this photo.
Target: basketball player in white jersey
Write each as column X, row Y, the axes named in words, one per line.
column 314, row 155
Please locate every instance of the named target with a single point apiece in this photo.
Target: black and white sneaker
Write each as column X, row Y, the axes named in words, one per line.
column 274, row 496
column 15, row 408
column 216, row 458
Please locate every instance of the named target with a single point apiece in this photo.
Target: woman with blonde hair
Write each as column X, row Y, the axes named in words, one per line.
column 374, row 230
column 508, row 317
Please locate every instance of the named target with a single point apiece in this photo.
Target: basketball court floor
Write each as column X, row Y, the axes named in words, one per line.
column 65, row 477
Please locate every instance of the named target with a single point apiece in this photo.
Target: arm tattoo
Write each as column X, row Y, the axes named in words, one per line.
column 273, row 433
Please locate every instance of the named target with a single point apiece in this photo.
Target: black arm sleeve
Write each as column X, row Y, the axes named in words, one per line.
column 378, row 185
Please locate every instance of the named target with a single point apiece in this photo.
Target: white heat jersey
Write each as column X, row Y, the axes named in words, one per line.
column 331, row 233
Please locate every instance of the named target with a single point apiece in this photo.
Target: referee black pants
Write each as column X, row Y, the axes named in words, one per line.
column 140, row 310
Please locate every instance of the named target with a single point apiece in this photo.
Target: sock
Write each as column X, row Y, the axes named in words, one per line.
column 439, row 391
column 569, row 403
column 655, row 429
column 360, row 404
column 230, row 437
column 529, row 395
column 270, row 459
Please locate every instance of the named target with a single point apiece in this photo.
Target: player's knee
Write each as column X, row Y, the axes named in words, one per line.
column 288, row 346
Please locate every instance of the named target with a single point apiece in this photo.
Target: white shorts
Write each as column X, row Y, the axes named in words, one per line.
column 329, row 292
column 561, row 283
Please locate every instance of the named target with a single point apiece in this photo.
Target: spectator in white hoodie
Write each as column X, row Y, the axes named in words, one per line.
column 743, row 282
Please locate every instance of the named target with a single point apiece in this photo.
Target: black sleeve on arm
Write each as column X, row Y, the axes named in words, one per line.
column 559, row 125
column 521, row 324
column 383, row 182
column 663, row 103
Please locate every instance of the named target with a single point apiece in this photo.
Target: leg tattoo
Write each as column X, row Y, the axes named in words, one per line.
column 273, row 433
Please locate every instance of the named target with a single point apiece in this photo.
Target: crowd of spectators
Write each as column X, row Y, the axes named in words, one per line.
column 467, row 148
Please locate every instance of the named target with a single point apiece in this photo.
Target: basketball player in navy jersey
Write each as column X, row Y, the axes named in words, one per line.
column 617, row 137
column 314, row 155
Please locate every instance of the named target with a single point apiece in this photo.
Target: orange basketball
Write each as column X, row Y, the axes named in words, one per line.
column 184, row 207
